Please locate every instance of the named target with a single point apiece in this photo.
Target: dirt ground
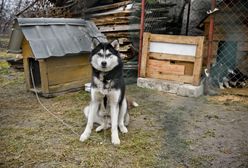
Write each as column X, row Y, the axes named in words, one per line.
column 165, row 130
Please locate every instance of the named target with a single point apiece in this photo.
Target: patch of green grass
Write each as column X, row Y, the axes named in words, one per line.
column 5, row 55
column 52, row 144
column 137, row 149
column 83, row 96
column 4, row 68
column 137, row 111
column 9, row 77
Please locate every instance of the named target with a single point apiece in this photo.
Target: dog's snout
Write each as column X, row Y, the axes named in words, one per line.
column 104, row 63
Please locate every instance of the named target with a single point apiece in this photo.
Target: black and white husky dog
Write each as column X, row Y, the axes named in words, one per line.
column 107, row 86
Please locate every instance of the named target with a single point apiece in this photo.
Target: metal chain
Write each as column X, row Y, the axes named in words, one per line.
column 46, row 109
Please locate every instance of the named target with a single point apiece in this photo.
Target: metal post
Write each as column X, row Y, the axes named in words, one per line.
column 188, row 17
column 142, row 20
column 210, row 42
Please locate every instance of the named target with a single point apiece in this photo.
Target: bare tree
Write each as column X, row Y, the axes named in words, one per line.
column 11, row 9
column 7, row 13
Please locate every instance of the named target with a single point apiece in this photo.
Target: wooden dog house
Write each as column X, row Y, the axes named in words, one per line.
column 55, row 51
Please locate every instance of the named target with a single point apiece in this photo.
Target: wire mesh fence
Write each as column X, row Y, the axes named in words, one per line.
column 176, row 17
column 230, row 40
column 161, row 17
column 230, row 45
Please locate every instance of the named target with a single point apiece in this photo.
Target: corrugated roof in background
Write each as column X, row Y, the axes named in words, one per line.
column 54, row 36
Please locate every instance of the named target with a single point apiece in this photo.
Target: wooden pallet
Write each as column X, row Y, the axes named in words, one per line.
column 175, row 67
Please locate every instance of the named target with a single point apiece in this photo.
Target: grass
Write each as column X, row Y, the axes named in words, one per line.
column 5, row 55
column 209, row 133
column 4, row 68
column 31, row 137
column 161, row 131
column 29, row 145
column 7, row 75
column 201, row 161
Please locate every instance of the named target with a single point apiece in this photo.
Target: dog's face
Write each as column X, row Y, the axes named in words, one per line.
column 105, row 56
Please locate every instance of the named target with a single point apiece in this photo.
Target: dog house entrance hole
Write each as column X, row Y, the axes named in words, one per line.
column 35, row 68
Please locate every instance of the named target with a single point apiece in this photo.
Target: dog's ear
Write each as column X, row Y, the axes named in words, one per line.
column 94, row 43
column 115, row 44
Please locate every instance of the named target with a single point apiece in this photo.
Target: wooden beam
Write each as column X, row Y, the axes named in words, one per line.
column 171, row 57
column 111, row 13
column 27, row 73
column 145, row 50
column 164, row 67
column 115, row 20
column 44, row 76
column 122, row 34
column 66, row 86
column 172, row 77
column 116, row 28
column 175, row 39
column 198, row 62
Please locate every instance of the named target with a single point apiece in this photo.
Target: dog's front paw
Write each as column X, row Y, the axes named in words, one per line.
column 84, row 137
column 116, row 141
column 123, row 129
column 222, row 87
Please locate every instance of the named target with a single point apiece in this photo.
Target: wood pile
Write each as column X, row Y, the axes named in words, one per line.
column 119, row 21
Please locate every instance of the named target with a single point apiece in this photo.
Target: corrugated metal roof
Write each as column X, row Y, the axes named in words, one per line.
column 54, row 36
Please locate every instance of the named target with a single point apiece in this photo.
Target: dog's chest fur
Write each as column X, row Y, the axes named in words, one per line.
column 102, row 84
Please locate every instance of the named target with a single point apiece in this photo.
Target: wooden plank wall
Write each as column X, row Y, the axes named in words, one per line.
column 27, row 53
column 180, row 68
column 68, row 72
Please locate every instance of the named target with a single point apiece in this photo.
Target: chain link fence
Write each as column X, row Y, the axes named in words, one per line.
column 230, row 40
column 176, row 17
column 179, row 17
column 163, row 17
column 230, row 45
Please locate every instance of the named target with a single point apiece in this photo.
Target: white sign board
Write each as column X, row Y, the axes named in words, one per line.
column 172, row 48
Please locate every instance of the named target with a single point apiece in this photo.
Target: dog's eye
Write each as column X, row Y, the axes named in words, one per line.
column 100, row 54
column 108, row 55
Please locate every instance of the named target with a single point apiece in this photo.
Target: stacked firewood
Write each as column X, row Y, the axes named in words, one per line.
column 119, row 21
